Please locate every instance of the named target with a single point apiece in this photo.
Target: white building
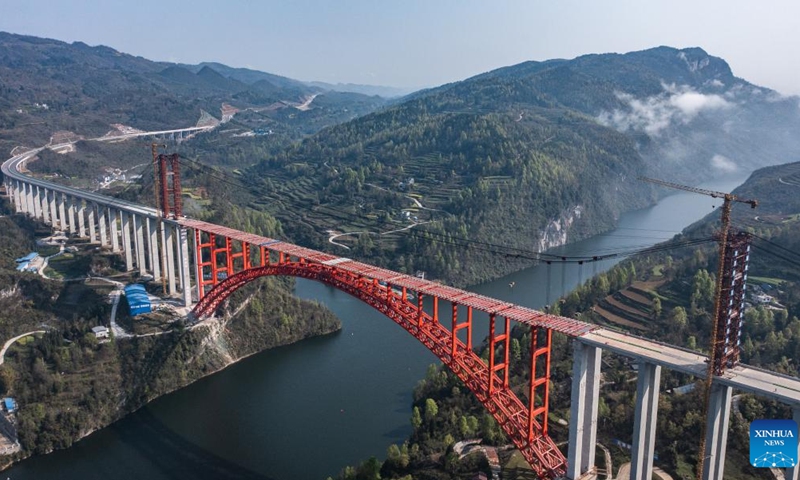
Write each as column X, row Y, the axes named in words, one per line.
column 100, row 332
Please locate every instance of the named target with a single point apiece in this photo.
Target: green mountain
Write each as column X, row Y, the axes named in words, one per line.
column 527, row 156
column 48, row 86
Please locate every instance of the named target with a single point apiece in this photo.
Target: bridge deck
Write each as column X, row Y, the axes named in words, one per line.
column 528, row 316
column 742, row 377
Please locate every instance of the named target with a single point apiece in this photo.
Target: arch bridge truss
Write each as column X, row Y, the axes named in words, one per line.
column 227, row 259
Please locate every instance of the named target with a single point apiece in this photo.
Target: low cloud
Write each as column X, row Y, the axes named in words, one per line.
column 653, row 114
column 723, row 164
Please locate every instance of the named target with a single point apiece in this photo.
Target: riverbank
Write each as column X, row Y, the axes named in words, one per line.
column 108, row 381
column 337, row 399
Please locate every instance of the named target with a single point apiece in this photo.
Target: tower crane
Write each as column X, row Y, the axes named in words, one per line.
column 713, row 368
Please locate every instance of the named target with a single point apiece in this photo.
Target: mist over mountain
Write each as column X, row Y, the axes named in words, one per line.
column 690, row 117
column 536, row 154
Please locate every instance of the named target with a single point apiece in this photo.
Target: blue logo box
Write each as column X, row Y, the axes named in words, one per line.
column 773, row 443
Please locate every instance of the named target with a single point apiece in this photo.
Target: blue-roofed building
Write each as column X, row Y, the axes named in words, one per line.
column 27, row 258
column 10, row 405
column 138, row 300
column 22, row 266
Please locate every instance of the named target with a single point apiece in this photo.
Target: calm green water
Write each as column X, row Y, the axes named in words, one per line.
column 306, row 410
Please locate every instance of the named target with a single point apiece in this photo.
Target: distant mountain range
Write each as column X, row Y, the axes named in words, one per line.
column 531, row 155
column 48, row 85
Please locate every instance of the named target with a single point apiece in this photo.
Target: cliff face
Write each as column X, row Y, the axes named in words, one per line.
column 555, row 233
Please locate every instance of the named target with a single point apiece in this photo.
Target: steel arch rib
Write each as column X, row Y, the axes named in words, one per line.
column 509, row 411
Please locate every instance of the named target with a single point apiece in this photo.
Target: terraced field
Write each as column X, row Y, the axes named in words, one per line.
column 629, row 308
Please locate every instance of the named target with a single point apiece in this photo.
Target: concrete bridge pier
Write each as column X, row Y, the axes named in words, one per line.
column 16, row 197
column 23, row 195
column 169, row 246
column 101, row 225
column 62, row 212
column 27, row 198
column 138, row 242
column 26, row 204
column 81, row 219
column 126, row 240
column 183, row 265
column 719, row 414
column 583, row 411
column 44, row 206
column 53, row 210
column 71, row 219
column 92, row 223
column 31, row 201
column 645, row 418
column 112, row 221
column 37, row 203
column 153, row 252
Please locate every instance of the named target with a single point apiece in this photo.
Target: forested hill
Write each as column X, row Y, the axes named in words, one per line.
column 775, row 222
column 48, row 85
column 689, row 116
column 521, row 170
column 523, row 154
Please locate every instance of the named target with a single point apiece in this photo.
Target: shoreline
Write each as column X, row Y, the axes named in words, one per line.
column 7, row 462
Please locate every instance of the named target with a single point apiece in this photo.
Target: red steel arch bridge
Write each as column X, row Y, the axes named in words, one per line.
column 204, row 263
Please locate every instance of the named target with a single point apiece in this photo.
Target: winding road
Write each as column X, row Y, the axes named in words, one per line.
column 11, row 341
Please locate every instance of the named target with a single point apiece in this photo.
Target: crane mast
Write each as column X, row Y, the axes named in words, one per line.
column 713, row 368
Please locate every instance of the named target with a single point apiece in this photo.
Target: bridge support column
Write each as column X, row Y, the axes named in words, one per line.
column 138, row 242
column 101, row 225
column 81, row 219
column 37, row 202
column 583, row 410
column 29, row 196
column 112, row 221
column 71, row 219
column 24, row 194
column 20, row 197
column 92, row 223
column 644, row 424
column 794, row 473
column 24, row 198
column 126, row 240
column 21, row 202
column 152, row 250
column 719, row 414
column 15, row 194
column 62, row 212
column 183, row 265
column 169, row 245
column 53, row 210
column 44, row 206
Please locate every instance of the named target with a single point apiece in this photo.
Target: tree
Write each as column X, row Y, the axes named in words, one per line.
column 431, row 409
column 656, row 308
column 677, row 319
column 416, row 418
column 516, row 350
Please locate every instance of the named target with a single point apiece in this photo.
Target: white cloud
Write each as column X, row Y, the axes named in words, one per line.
column 655, row 113
column 723, row 164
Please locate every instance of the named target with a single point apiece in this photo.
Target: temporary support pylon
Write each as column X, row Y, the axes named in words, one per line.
column 170, row 185
column 540, row 383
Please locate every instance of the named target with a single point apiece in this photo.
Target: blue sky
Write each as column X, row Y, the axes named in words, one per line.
column 417, row 43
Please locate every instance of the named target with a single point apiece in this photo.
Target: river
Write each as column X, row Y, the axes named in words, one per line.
column 306, row 410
